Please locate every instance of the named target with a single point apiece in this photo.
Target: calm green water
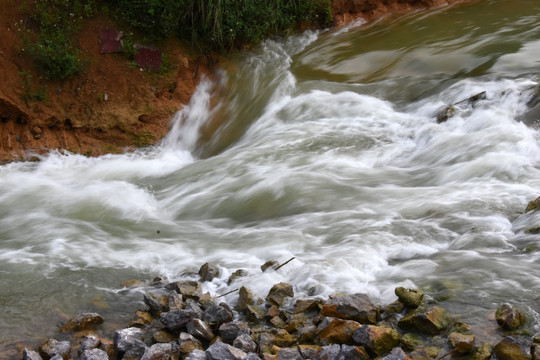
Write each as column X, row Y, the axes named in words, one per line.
column 330, row 153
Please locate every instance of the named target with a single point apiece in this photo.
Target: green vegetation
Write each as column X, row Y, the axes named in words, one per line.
column 223, row 25
column 208, row 25
column 30, row 91
column 52, row 47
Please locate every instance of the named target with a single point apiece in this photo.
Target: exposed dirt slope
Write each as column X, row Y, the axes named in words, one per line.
column 112, row 106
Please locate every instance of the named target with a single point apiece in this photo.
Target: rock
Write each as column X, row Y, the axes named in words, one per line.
column 89, row 342
column 279, row 292
column 409, row 342
column 157, row 300
column 509, row 318
column 177, row 319
column 355, row 307
column 289, row 354
column 56, row 357
column 94, row 354
column 218, row 315
column 338, row 331
column 254, row 313
column 266, row 341
column 535, row 351
column 410, row 297
column 277, row 322
column 197, row 355
column 129, row 342
column 207, row 272
column 351, row 352
column 245, row 343
column 461, row 327
column 302, row 306
column 188, row 343
column 533, row 205
column 394, row 308
column 222, row 351
column 252, row 356
column 188, row 289
column 432, row 320
column 396, row 354
column 141, row 318
column 308, row 351
column 167, row 351
column 195, row 306
column 200, row 330
column 283, row 338
column 420, row 354
column 307, row 334
column 270, row 264
column 483, row 352
column 162, row 336
column 511, row 348
column 446, row 113
column 245, row 298
column 175, row 301
column 110, row 41
column 53, row 347
column 463, row 343
column 329, row 352
column 235, row 275
column 82, row 321
column 377, row 340
column 231, row 330
column 31, row 355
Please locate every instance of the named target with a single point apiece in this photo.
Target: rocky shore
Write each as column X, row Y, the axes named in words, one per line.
column 180, row 321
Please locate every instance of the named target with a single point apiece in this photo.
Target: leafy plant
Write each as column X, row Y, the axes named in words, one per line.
column 29, row 94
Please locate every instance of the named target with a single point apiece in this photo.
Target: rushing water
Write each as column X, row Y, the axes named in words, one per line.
column 329, row 153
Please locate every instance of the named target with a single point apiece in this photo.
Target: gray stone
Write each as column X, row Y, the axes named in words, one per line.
column 307, row 351
column 175, row 301
column 31, row 355
column 57, row 357
column 177, row 319
column 82, row 321
column 207, row 272
column 252, row 356
column 129, row 342
column 222, row 351
column 307, row 334
column 200, row 329
column 289, row 354
column 197, row 355
column 89, row 342
column 188, row 289
column 356, row 307
column 157, row 300
column 351, row 352
column 329, row 352
column 53, row 347
column 395, row 354
column 217, row 314
column 231, row 330
column 279, row 292
column 94, row 354
column 410, row 297
column 161, row 352
column 245, row 343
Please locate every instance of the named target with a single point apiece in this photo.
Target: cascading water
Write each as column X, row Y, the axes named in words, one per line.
column 329, row 152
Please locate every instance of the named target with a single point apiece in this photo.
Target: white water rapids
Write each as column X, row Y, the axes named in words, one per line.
column 330, row 153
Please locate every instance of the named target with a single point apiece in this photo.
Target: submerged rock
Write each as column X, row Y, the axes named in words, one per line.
column 356, row 307
column 82, row 321
column 509, row 318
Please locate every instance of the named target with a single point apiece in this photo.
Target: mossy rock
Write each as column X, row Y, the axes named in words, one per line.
column 433, row 320
column 410, row 297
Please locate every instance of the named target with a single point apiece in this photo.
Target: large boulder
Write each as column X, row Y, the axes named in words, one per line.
column 377, row 340
column 432, row 320
column 357, row 307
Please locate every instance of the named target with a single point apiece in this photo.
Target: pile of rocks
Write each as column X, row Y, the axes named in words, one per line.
column 182, row 322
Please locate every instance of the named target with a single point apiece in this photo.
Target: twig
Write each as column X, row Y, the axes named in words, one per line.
column 227, row 293
column 445, row 355
column 285, row 263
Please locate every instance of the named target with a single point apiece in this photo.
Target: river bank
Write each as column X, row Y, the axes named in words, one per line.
column 114, row 105
column 180, row 320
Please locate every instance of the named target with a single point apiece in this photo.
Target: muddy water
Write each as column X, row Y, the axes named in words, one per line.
column 329, row 153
